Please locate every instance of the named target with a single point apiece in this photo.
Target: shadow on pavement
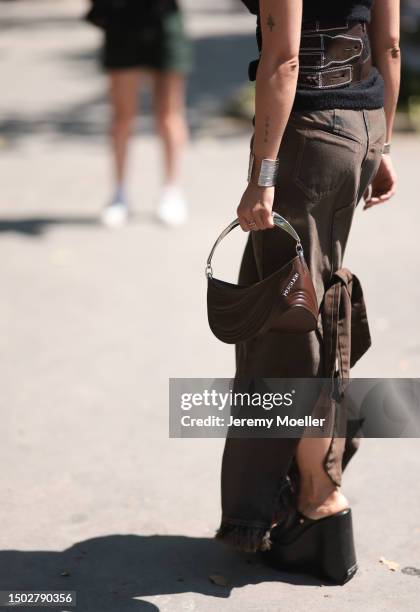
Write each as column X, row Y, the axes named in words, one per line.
column 38, row 226
column 114, row 572
column 221, row 67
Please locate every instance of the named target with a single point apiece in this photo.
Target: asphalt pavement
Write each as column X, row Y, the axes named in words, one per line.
column 95, row 497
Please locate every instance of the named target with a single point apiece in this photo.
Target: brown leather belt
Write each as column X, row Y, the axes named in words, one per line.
column 331, row 55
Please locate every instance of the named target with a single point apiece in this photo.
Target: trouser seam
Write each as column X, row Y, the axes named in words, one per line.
column 367, row 127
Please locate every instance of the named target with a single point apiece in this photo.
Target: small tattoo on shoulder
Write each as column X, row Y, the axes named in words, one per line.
column 270, row 22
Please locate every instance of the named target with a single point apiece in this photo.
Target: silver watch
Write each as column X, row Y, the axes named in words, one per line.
column 386, row 149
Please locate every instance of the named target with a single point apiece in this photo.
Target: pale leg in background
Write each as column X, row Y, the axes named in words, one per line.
column 123, row 92
column 169, row 96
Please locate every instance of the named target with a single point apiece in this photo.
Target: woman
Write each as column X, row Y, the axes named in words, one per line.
column 327, row 84
column 143, row 39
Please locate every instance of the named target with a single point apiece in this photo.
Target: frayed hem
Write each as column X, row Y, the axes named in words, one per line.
column 245, row 538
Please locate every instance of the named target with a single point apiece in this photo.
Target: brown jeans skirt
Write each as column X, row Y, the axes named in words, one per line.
column 327, row 160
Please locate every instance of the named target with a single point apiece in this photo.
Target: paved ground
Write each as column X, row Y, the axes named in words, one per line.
column 94, row 322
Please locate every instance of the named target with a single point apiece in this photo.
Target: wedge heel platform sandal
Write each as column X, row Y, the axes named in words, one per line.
column 323, row 548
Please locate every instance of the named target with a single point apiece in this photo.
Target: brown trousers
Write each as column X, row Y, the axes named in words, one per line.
column 327, row 160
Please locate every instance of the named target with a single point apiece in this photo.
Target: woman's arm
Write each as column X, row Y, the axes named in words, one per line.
column 384, row 34
column 281, row 22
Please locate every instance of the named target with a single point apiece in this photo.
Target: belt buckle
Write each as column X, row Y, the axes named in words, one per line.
column 322, row 50
column 319, row 74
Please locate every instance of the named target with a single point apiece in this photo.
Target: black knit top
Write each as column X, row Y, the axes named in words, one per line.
column 366, row 94
column 358, row 10
column 331, row 10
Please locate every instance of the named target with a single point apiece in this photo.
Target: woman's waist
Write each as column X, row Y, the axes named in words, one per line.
column 333, row 54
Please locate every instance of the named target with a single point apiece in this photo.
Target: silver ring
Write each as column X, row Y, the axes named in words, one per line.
column 251, row 223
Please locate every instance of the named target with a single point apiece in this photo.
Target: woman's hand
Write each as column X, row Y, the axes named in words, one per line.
column 383, row 186
column 255, row 209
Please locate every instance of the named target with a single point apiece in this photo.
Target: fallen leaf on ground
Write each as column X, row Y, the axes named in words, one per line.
column 218, row 579
column 391, row 565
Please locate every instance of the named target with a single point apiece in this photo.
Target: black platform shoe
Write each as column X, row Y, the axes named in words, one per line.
column 322, row 547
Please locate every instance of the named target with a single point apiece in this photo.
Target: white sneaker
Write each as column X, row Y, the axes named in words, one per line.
column 172, row 209
column 115, row 215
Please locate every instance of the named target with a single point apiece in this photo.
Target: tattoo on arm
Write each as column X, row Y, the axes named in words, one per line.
column 266, row 128
column 270, row 22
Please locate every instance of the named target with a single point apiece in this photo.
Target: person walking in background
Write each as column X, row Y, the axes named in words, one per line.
column 144, row 38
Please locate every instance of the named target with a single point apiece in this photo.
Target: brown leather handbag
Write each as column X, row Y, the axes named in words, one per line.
column 284, row 302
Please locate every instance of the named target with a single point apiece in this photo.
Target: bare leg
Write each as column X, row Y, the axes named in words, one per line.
column 318, row 495
column 171, row 122
column 123, row 93
column 124, row 88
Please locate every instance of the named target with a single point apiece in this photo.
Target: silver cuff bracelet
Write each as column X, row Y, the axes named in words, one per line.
column 268, row 172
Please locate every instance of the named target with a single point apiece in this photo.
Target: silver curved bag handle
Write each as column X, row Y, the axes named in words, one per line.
column 279, row 221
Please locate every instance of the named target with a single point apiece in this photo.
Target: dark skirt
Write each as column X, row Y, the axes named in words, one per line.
column 327, row 160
